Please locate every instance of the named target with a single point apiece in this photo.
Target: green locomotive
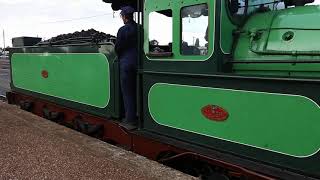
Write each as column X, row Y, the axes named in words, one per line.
column 230, row 80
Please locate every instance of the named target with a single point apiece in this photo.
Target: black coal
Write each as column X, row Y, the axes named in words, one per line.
column 80, row 37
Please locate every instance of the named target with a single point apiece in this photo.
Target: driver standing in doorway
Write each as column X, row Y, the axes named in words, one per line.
column 127, row 51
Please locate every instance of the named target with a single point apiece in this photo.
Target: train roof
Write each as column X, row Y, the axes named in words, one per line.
column 117, row 4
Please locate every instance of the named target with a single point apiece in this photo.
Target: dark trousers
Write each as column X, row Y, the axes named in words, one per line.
column 128, row 84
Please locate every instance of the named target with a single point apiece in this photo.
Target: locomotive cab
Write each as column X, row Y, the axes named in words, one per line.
column 233, row 76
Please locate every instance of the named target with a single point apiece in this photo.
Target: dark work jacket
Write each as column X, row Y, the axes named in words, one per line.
column 127, row 44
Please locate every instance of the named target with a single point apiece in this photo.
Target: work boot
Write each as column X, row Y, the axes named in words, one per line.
column 130, row 125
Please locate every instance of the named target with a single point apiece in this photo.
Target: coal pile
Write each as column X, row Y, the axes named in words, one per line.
column 80, row 37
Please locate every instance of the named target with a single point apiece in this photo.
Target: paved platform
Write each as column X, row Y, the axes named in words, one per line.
column 35, row 148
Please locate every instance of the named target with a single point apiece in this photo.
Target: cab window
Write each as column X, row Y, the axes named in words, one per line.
column 194, row 33
column 160, row 32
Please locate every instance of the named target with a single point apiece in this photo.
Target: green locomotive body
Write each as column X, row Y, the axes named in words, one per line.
column 240, row 78
column 280, row 43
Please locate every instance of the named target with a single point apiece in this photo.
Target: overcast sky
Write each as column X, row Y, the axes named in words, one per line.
column 48, row 18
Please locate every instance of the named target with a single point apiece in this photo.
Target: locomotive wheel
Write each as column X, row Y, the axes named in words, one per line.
column 94, row 130
column 26, row 105
column 52, row 115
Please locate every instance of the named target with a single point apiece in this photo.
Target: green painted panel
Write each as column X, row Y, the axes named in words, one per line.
column 286, row 124
column 82, row 78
